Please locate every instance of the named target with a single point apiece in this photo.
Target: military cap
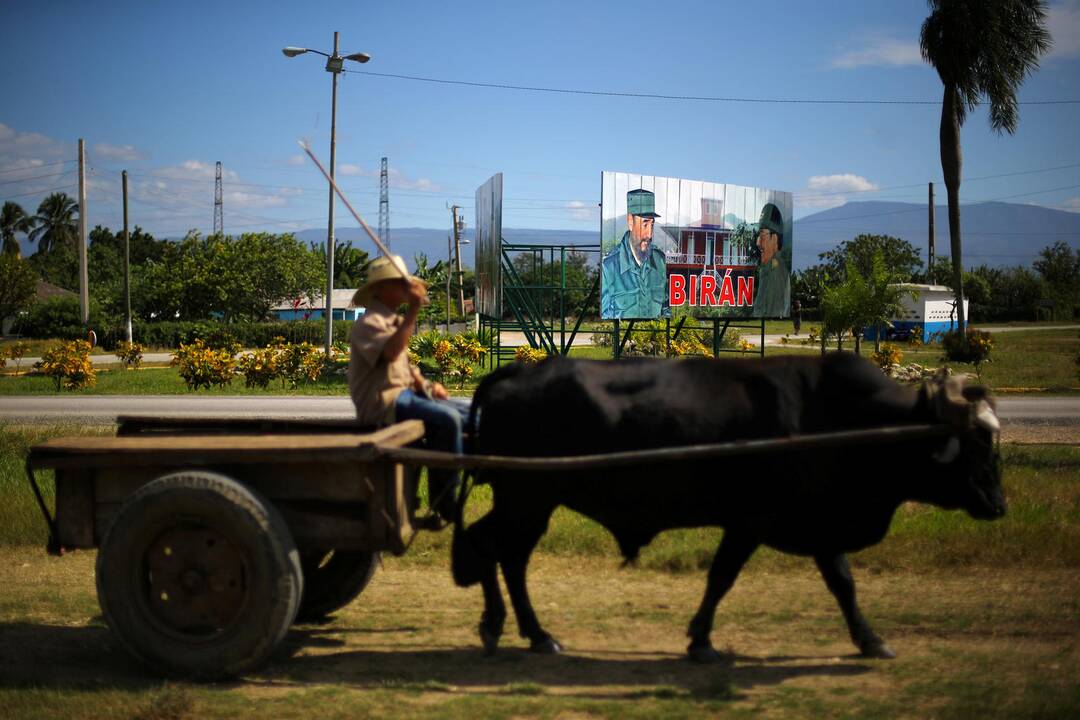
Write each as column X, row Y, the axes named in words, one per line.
column 641, row 203
column 771, row 219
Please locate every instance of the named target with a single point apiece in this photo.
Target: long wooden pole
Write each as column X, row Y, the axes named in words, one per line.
column 84, row 281
column 127, row 261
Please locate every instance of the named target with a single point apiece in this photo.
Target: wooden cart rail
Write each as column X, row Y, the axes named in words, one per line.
column 157, row 449
column 327, row 486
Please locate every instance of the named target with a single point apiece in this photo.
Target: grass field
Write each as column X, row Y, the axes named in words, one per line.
column 985, row 617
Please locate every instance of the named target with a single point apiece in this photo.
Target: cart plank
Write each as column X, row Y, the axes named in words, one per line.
column 216, row 449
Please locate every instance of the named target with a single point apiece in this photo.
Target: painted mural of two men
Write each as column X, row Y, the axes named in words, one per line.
column 635, row 272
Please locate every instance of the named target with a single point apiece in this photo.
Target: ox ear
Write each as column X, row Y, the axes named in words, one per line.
column 977, row 393
column 948, row 453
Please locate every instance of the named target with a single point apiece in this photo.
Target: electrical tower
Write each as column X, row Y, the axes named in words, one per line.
column 219, row 215
column 384, row 205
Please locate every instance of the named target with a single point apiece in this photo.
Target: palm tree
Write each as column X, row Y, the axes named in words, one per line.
column 13, row 219
column 980, row 48
column 54, row 223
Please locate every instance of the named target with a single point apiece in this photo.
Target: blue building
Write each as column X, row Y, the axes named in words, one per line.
column 315, row 308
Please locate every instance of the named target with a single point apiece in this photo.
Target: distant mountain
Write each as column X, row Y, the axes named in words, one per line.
column 410, row 242
column 993, row 233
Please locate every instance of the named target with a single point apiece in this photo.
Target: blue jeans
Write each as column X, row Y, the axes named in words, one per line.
column 443, row 420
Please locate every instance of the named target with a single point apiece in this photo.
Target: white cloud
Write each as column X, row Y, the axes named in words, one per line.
column 1063, row 21
column 396, row 178
column 827, row 191
column 295, row 160
column 579, row 210
column 107, row 151
column 847, row 182
column 30, row 149
column 1072, row 205
column 880, row 51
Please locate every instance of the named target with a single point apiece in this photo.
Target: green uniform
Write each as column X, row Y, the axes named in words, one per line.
column 633, row 291
column 772, row 298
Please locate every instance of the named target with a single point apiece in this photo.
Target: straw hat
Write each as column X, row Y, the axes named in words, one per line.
column 386, row 267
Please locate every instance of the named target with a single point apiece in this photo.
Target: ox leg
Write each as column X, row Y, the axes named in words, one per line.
column 514, row 561
column 479, row 536
column 730, row 557
column 837, row 574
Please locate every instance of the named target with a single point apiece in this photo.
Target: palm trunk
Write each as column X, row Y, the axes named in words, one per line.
column 951, row 162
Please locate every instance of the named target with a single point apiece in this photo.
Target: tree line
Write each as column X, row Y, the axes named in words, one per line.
column 229, row 278
column 995, row 294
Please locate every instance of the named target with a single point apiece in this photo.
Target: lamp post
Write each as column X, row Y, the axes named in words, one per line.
column 335, row 64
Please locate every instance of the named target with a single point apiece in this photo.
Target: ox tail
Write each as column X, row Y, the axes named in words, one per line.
column 467, row 562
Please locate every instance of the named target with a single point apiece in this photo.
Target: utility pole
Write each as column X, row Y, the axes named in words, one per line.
column 84, row 281
column 384, row 204
column 459, row 225
column 449, row 255
column 127, row 261
column 930, row 253
column 219, row 214
column 334, row 65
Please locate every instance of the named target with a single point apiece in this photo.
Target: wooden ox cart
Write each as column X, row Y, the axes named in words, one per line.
column 215, row 535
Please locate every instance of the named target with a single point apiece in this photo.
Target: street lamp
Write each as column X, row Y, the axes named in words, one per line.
column 335, row 64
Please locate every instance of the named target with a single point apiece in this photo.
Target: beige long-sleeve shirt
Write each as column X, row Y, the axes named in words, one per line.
column 374, row 383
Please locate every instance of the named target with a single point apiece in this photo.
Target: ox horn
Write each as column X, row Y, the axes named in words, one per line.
column 985, row 417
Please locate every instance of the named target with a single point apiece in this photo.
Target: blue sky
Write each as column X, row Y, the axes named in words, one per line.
column 165, row 89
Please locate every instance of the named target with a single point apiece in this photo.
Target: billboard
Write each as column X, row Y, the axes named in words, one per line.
column 488, row 247
column 693, row 247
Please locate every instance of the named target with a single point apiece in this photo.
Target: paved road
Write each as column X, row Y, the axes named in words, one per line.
column 98, row 409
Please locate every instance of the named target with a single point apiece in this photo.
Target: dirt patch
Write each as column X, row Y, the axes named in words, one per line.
column 1041, row 434
column 410, row 642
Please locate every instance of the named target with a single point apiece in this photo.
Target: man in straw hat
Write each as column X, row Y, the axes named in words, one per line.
column 384, row 387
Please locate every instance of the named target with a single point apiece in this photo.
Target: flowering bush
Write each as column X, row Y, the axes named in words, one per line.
column 130, row 354
column 68, row 364
column 528, row 356
column 889, row 354
column 972, row 347
column 201, row 366
column 689, row 346
column 467, row 346
column 259, row 367
column 15, row 351
column 299, row 361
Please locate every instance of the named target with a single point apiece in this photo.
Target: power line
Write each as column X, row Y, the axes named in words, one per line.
column 36, row 177
column 657, row 96
column 36, row 167
column 69, row 186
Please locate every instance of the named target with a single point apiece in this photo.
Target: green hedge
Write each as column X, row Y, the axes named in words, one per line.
column 59, row 318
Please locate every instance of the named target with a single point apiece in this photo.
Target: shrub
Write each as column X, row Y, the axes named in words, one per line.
column 972, row 347
column 423, row 344
column 299, row 361
column 889, row 354
column 468, row 346
column 444, row 357
column 130, row 354
column 201, row 366
column 15, row 351
column 528, row 356
column 689, row 346
column 68, row 364
column 258, row 367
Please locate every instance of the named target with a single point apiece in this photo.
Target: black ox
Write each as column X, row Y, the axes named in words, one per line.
column 820, row 503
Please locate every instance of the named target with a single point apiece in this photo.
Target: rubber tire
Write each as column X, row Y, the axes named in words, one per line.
column 274, row 580
column 335, row 584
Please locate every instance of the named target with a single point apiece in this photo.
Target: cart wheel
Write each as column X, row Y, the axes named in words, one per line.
column 332, row 580
column 199, row 576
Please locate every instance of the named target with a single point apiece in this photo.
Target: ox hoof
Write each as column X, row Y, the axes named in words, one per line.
column 546, row 646
column 490, row 639
column 704, row 654
column 878, row 650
